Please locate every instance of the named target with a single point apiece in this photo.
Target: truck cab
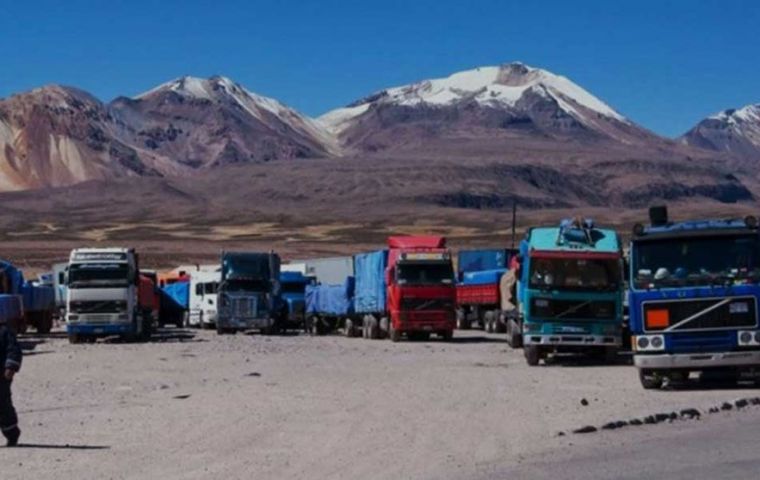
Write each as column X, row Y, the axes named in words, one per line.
column 421, row 290
column 570, row 290
column 249, row 292
column 203, row 298
column 293, row 287
column 693, row 295
column 102, row 295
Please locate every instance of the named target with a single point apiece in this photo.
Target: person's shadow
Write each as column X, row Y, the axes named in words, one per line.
column 62, row 447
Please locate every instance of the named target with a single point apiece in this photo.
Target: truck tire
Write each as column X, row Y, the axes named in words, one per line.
column 514, row 337
column 45, row 325
column 500, row 324
column 385, row 327
column 650, row 379
column 532, row 354
column 447, row 335
column 489, row 320
column 394, row 335
column 374, row 329
column 74, row 338
column 463, row 323
column 348, row 326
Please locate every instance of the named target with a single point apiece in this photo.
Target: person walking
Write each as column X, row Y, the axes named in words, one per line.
column 10, row 363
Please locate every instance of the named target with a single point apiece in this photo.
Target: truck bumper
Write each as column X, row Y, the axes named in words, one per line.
column 104, row 329
column 573, row 340
column 697, row 360
column 244, row 323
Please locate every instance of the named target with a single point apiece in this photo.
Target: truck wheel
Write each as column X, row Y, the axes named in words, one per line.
column 45, row 325
column 385, row 326
column 514, row 338
column 447, row 335
column 348, row 326
column 650, row 379
column 532, row 354
column 74, row 338
column 463, row 323
column 374, row 329
column 500, row 324
column 488, row 322
column 395, row 335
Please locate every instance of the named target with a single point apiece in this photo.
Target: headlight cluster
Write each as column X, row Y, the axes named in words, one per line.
column 648, row 343
column 748, row 338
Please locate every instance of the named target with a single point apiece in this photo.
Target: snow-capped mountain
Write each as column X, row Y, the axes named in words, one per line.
column 214, row 121
column 513, row 97
column 735, row 130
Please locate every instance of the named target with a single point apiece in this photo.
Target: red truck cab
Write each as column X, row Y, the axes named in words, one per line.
column 421, row 291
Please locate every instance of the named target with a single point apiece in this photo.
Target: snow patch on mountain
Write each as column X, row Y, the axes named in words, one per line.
column 493, row 86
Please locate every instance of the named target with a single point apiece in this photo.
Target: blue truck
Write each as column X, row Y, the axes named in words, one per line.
column 293, row 287
column 479, row 275
column 249, row 295
column 570, row 292
column 329, row 307
column 693, row 295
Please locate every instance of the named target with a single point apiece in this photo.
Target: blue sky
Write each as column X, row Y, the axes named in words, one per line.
column 664, row 64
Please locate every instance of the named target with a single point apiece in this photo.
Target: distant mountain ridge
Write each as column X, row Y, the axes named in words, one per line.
column 735, row 131
column 502, row 134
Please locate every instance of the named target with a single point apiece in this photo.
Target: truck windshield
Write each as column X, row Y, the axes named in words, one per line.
column 575, row 273
column 247, row 266
column 425, row 273
column 98, row 274
column 696, row 261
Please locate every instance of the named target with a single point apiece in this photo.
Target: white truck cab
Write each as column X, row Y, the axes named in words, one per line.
column 203, row 288
column 102, row 294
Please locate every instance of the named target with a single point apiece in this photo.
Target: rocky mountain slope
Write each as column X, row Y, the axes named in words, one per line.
column 736, row 131
column 55, row 136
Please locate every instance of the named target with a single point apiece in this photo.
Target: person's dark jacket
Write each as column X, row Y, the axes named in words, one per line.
column 10, row 351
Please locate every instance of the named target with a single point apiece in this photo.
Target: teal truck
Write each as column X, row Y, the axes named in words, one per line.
column 570, row 292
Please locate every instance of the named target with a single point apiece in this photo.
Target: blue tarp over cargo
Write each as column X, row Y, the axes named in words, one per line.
column 480, row 260
column 330, row 299
column 38, row 297
column 483, row 278
column 11, row 278
column 370, row 281
column 10, row 308
column 178, row 292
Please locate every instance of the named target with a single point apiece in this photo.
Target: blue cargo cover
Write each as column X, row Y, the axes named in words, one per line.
column 38, row 297
column 10, row 308
column 484, row 277
column 370, row 281
column 330, row 299
column 11, row 278
column 179, row 292
column 480, row 260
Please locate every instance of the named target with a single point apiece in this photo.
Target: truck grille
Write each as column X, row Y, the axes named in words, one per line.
column 572, row 309
column 105, row 306
column 247, row 306
column 423, row 304
column 705, row 314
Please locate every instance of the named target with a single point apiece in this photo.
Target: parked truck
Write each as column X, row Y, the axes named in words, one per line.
column 693, row 297
column 330, row 307
column 293, row 287
column 478, row 275
column 103, row 295
column 570, row 292
column 249, row 293
column 406, row 290
column 203, row 297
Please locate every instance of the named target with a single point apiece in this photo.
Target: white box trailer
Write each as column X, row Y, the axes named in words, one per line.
column 331, row 271
column 203, row 297
column 297, row 267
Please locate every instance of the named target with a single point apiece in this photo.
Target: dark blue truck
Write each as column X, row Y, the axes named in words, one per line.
column 693, row 296
column 293, row 292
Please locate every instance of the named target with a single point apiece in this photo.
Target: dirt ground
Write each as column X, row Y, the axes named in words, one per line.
column 191, row 404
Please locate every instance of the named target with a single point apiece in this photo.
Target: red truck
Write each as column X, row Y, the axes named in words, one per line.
column 147, row 296
column 406, row 290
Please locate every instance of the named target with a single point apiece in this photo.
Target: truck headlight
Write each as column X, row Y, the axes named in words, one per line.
column 748, row 338
column 649, row 343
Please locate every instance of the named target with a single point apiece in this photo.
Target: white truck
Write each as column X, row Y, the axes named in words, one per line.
column 203, row 288
column 102, row 297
